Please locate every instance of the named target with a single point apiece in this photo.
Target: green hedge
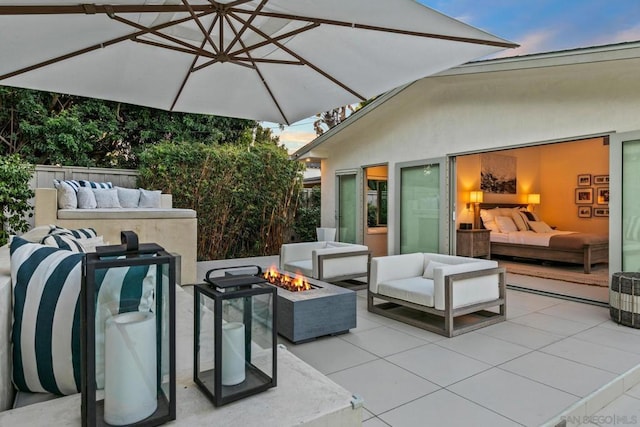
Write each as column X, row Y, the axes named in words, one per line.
column 245, row 197
column 15, row 193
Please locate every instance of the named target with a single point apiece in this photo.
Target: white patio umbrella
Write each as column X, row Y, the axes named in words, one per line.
column 273, row 60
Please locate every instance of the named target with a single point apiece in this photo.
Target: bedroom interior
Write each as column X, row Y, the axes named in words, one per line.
column 561, row 186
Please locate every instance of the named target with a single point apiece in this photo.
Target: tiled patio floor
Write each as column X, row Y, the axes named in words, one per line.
column 551, row 356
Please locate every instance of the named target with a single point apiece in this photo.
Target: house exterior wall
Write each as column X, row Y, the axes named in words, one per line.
column 462, row 113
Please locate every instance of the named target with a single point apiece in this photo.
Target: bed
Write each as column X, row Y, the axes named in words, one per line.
column 563, row 246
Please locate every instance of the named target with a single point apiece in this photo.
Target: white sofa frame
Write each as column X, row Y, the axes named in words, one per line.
column 443, row 321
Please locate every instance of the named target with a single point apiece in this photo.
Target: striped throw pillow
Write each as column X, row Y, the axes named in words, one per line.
column 70, row 182
column 46, row 325
column 80, row 233
column 64, row 241
column 93, row 184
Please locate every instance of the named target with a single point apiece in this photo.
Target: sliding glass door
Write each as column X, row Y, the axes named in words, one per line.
column 347, row 208
column 422, row 228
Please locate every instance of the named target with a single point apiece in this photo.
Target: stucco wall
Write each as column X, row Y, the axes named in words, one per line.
column 457, row 114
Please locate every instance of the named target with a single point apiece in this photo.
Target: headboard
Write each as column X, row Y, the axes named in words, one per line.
column 498, row 205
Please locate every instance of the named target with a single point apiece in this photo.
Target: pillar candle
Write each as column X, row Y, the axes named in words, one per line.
column 233, row 353
column 130, row 389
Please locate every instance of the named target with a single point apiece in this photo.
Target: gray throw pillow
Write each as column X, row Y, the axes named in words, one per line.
column 67, row 198
column 86, row 198
column 106, row 198
column 149, row 198
column 128, row 197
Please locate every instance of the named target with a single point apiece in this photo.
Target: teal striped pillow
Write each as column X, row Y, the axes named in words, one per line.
column 46, row 324
column 64, row 241
column 80, row 233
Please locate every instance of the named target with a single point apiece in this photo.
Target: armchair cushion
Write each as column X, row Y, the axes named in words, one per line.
column 415, row 289
column 304, row 266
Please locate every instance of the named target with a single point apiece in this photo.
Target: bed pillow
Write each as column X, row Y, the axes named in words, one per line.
column 540, row 227
column 93, row 184
column 107, row 198
column 86, row 198
column 506, row 224
column 428, row 269
column 519, row 220
column 47, row 285
column 128, row 197
column 488, row 219
column 67, row 198
column 149, row 198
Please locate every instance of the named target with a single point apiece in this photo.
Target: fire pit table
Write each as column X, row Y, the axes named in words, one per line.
column 307, row 308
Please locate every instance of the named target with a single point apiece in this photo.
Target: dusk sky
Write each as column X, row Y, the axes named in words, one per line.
column 537, row 26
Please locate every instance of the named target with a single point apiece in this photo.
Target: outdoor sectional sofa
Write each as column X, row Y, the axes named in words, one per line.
column 432, row 290
column 328, row 261
column 176, row 230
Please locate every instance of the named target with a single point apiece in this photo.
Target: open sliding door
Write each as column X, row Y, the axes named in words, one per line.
column 624, row 202
column 347, row 212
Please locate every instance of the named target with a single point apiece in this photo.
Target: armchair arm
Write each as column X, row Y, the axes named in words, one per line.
column 457, row 289
column 340, row 264
column 298, row 251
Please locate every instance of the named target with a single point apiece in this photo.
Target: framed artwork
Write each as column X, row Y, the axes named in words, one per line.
column 584, row 196
column 584, row 180
column 601, row 179
column 601, row 212
column 498, row 173
column 602, row 195
column 584, row 211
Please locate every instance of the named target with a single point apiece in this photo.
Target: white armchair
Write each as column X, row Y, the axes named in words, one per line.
column 444, row 285
column 328, row 261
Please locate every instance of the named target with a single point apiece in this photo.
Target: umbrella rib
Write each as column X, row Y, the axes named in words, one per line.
column 97, row 46
column 189, row 48
column 377, row 28
column 239, row 33
column 176, row 48
column 204, row 30
column 301, row 59
column 191, row 69
column 280, row 37
column 262, row 79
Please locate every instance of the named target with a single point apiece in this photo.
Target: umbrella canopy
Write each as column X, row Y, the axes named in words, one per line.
column 274, row 60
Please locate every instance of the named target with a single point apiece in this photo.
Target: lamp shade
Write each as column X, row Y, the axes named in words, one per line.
column 476, row 197
column 533, row 199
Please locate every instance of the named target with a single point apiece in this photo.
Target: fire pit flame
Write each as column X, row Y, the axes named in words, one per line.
column 292, row 284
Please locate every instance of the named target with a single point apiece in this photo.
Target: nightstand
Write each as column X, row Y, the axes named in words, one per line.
column 473, row 243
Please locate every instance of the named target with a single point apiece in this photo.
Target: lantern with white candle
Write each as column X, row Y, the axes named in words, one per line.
column 128, row 335
column 235, row 336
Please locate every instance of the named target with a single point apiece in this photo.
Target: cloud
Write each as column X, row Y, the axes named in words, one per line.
column 538, row 41
column 625, row 35
column 295, row 139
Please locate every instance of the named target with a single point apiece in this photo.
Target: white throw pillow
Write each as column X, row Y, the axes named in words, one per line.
column 540, row 227
column 86, row 198
column 149, row 198
column 128, row 197
column 428, row 269
column 506, row 224
column 106, row 198
column 67, row 198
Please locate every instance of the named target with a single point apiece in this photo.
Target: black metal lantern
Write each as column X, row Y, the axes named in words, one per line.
column 235, row 337
column 128, row 335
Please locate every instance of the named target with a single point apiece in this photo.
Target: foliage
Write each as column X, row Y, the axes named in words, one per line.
column 14, row 196
column 245, row 196
column 49, row 128
column 308, row 216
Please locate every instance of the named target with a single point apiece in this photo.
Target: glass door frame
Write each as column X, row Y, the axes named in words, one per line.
column 357, row 173
column 616, row 141
column 444, row 241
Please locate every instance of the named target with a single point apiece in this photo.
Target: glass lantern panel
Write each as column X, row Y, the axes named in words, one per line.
column 206, row 340
column 262, row 344
column 129, row 319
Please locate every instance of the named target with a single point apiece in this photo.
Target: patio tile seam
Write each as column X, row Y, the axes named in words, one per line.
column 560, row 337
column 403, row 403
column 583, row 363
column 490, row 363
column 484, row 407
column 540, row 382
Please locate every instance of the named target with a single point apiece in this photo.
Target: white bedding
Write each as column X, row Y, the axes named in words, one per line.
column 526, row 237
